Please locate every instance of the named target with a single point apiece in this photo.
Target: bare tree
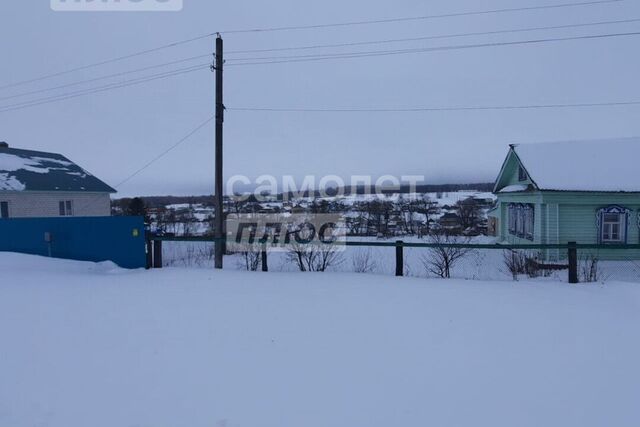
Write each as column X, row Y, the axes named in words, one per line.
column 429, row 209
column 441, row 259
column 250, row 259
column 515, row 262
column 378, row 214
column 524, row 262
column 469, row 212
column 363, row 261
column 314, row 257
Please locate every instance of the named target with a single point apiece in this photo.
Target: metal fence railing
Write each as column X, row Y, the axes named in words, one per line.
column 571, row 262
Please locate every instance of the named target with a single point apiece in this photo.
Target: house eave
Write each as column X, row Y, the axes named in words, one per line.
column 549, row 190
column 56, row 191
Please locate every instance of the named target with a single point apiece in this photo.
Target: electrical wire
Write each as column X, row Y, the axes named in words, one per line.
column 167, row 151
column 421, row 18
column 362, row 54
column 304, row 27
column 291, row 59
column 157, row 157
column 126, row 83
column 124, row 73
column 430, row 109
column 120, row 74
column 107, row 61
column 444, row 36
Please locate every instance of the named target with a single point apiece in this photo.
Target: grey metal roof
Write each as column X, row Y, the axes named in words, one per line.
column 26, row 170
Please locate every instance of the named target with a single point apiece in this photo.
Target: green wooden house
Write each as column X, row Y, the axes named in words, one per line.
column 585, row 192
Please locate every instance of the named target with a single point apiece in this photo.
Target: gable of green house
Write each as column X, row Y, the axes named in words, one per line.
column 513, row 173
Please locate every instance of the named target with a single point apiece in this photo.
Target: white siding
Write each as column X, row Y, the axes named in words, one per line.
column 27, row 204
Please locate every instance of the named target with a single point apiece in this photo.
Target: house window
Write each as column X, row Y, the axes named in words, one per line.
column 66, row 208
column 522, row 220
column 4, row 210
column 612, row 224
column 512, row 218
column 528, row 216
column 522, row 174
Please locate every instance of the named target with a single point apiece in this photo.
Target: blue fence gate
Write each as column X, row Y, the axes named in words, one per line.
column 118, row 239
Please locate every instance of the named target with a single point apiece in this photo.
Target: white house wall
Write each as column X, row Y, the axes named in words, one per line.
column 26, row 204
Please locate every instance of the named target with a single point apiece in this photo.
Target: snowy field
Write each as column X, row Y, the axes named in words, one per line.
column 92, row 345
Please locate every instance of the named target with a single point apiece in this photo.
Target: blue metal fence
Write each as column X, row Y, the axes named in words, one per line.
column 117, row 239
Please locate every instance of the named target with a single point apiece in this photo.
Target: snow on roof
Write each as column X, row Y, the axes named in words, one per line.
column 514, row 188
column 22, row 170
column 609, row 165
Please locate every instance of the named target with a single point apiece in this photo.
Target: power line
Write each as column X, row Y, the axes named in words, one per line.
column 362, row 54
column 431, row 109
column 106, row 87
column 124, row 73
column 159, row 156
column 444, row 36
column 111, row 86
column 107, row 61
column 167, row 151
column 287, row 59
column 420, row 18
column 302, row 27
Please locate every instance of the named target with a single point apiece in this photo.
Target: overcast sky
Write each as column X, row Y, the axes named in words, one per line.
column 114, row 133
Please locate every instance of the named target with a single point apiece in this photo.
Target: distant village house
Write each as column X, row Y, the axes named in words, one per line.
column 39, row 184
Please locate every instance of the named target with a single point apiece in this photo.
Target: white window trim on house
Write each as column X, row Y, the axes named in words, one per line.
column 522, row 220
column 65, row 207
column 623, row 215
column 528, row 217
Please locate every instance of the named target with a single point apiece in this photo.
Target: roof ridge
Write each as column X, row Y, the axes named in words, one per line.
column 579, row 141
column 22, row 150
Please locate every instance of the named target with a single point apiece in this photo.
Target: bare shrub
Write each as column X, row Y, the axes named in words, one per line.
column 248, row 255
column 479, row 263
column 589, row 268
column 313, row 257
column 363, row 261
column 441, row 259
column 189, row 255
column 249, row 260
column 515, row 262
column 524, row 262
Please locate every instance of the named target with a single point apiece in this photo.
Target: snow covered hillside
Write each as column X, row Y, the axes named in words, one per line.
column 93, row 345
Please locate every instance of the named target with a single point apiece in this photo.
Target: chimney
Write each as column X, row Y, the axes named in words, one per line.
column 4, row 144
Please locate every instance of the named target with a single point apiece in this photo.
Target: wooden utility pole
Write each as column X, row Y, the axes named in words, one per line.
column 219, row 202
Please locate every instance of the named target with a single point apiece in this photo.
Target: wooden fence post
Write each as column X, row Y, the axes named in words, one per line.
column 263, row 256
column 157, row 254
column 149, row 254
column 399, row 258
column 573, row 263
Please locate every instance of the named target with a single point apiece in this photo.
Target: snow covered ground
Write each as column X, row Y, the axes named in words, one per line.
column 92, row 345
